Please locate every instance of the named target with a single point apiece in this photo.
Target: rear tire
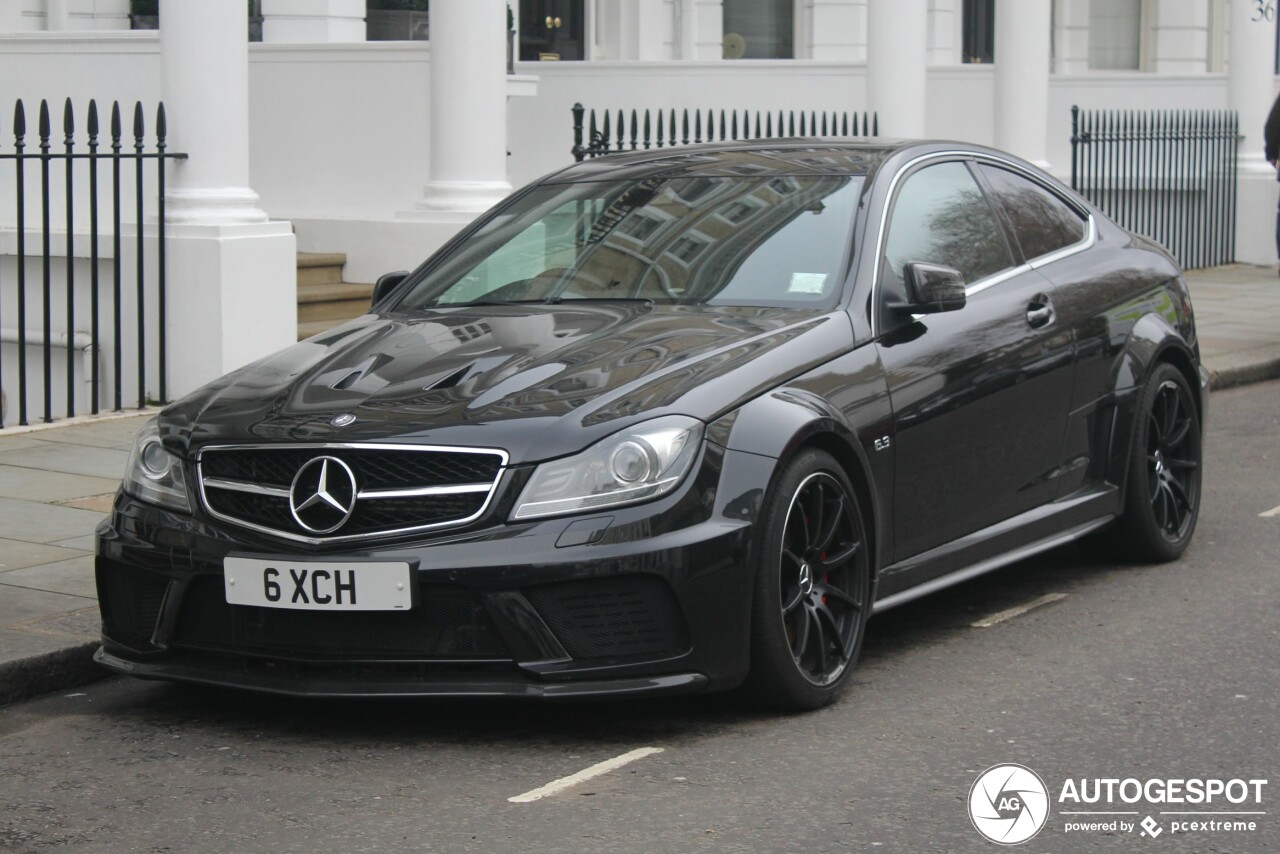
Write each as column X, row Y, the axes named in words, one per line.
column 812, row 587
column 1162, row 494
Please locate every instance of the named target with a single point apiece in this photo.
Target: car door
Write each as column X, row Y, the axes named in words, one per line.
column 979, row 395
column 1052, row 234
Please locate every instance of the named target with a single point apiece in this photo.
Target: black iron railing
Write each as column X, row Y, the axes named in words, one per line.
column 91, row 155
column 659, row 128
column 1167, row 174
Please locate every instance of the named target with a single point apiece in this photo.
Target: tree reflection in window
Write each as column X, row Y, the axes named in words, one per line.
column 941, row 217
column 1041, row 222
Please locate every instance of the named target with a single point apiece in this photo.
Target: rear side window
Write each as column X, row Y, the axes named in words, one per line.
column 1041, row 222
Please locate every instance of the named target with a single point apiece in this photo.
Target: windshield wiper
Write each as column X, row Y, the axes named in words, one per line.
column 489, row 302
column 562, row 300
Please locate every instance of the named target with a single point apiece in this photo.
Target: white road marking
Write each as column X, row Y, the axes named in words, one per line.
column 1018, row 611
column 556, row 786
column 1274, row 511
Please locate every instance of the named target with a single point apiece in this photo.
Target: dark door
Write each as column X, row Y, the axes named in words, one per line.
column 552, row 29
column 979, row 395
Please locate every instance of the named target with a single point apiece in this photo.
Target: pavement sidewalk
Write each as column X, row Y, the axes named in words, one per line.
column 57, row 482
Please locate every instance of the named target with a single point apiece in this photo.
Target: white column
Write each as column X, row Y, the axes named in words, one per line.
column 1071, row 37
column 1250, row 77
column 701, row 29
column 637, row 29
column 468, row 106
column 897, row 54
column 1180, row 37
column 232, row 273
column 55, row 15
column 944, row 32
column 204, row 59
column 313, row 21
column 1023, row 29
column 838, row 30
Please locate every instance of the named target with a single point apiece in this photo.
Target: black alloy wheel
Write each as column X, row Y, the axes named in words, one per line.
column 812, row 595
column 1163, row 500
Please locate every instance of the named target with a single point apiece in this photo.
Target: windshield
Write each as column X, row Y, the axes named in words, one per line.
column 768, row 241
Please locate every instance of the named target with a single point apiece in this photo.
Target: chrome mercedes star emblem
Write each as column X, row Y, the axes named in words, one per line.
column 323, row 495
column 806, row 579
column 342, row 420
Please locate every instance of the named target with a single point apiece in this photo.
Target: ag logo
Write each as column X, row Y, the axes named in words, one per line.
column 1008, row 804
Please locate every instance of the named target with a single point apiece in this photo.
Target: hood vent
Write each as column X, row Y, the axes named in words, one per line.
column 449, row 380
column 359, row 372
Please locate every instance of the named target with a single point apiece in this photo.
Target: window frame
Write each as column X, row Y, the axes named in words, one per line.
column 993, row 197
column 913, row 165
column 1001, row 226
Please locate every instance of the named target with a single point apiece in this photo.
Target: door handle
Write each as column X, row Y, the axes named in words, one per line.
column 1040, row 311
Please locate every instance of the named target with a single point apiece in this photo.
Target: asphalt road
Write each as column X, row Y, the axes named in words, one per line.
column 1139, row 672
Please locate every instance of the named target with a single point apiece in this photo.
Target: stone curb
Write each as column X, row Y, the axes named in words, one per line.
column 69, row 667
column 1238, row 375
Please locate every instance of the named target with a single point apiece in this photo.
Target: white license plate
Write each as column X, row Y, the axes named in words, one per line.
column 318, row 585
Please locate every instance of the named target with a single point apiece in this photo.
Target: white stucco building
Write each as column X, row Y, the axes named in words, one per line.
column 383, row 149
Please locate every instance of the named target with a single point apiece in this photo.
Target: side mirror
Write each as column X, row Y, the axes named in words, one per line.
column 387, row 283
column 932, row 288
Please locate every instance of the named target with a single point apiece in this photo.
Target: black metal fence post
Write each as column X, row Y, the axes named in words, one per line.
column 578, row 150
column 19, row 155
column 77, row 343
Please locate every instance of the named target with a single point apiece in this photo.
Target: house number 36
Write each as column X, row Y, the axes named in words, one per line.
column 1265, row 11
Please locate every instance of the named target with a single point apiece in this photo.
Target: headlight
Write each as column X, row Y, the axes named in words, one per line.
column 154, row 474
column 638, row 464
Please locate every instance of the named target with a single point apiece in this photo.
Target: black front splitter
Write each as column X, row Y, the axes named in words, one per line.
column 453, row 686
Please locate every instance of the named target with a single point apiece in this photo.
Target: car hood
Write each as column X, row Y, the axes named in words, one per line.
column 537, row 381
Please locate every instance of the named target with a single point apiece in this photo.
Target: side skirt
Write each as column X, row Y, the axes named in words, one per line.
column 946, row 565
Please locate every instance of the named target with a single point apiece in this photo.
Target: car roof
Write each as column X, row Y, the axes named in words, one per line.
column 758, row 158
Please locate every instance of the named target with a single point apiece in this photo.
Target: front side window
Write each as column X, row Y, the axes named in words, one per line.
column 648, row 240
column 1041, row 222
column 940, row 216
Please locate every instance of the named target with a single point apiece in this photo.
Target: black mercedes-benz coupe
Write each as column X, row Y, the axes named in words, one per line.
column 669, row 421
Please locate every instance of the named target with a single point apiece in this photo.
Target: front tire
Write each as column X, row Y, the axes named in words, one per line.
column 812, row 587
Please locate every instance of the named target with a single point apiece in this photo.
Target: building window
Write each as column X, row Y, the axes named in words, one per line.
column 687, row 249
column 1115, row 35
column 640, row 226
column 759, row 29
column 978, row 36
column 552, row 29
column 396, row 20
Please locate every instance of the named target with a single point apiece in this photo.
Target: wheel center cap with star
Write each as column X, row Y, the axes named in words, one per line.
column 806, row 579
column 323, row 495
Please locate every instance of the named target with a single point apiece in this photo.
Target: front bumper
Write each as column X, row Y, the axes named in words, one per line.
column 651, row 599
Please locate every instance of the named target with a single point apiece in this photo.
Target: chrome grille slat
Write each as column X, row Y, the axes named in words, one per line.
column 242, row 486
column 402, row 489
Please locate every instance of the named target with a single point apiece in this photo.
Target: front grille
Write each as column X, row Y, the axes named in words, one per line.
column 447, row 623
column 398, row 489
column 130, row 601
column 622, row 617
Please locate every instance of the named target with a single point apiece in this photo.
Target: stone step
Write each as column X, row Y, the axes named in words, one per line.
column 330, row 291
column 324, row 299
column 320, row 268
column 337, row 310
